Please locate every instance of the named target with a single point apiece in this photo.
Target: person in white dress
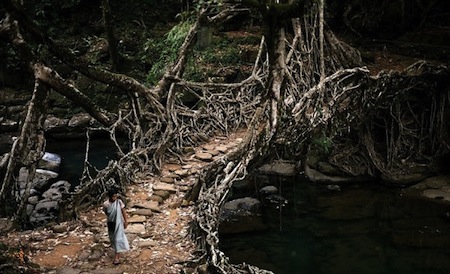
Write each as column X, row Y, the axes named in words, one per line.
column 114, row 209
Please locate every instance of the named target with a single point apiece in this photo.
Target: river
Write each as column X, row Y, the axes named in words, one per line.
column 364, row 228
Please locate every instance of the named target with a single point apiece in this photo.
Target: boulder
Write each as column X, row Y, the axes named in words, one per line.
column 62, row 186
column 8, row 125
column 242, row 206
column 6, row 225
column 162, row 193
column 42, row 178
column 52, row 194
column 267, row 190
column 54, row 124
column 437, row 194
column 44, row 212
column 59, row 228
column 241, row 215
column 81, row 120
column 50, row 161
column 33, row 200
column 279, row 168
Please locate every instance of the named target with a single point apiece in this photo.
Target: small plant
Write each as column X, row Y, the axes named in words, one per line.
column 323, row 144
column 168, row 49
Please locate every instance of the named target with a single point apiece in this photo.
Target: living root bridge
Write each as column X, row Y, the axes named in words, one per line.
column 398, row 121
column 347, row 103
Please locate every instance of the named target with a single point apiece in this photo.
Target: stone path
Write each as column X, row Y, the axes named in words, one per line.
column 158, row 229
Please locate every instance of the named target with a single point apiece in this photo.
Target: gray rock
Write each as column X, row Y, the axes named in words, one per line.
column 156, row 198
column 50, row 161
column 33, row 200
column 8, row 125
column 279, row 168
column 59, row 228
column 143, row 212
column 68, row 270
column 149, row 205
column 95, row 255
column 16, row 109
column 437, row 194
column 29, row 209
column 135, row 229
column 146, row 243
column 54, row 124
column 84, row 255
column 42, row 178
column 437, row 181
column 105, row 271
column 62, row 186
column 268, row 190
column 161, row 193
column 47, row 206
column 6, row 225
column 137, row 219
column 52, row 194
column 80, row 120
column 44, row 212
column 241, row 207
column 22, row 177
column 164, row 187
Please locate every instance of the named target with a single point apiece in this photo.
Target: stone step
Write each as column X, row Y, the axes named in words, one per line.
column 165, row 187
column 152, row 205
column 136, row 219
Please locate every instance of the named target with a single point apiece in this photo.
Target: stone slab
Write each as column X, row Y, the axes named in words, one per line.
column 136, row 219
column 165, row 187
column 152, row 205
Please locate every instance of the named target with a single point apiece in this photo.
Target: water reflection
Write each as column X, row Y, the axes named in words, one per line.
column 72, row 153
column 362, row 228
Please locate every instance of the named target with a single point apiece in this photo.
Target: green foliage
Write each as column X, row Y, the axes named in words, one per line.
column 323, row 144
column 221, row 53
column 211, row 3
column 51, row 6
column 167, row 48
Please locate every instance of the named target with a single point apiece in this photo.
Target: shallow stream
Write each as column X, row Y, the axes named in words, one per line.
column 73, row 152
column 364, row 228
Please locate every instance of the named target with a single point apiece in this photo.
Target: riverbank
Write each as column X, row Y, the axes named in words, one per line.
column 159, row 229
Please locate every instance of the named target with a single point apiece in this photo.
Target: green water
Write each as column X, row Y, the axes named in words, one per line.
column 361, row 228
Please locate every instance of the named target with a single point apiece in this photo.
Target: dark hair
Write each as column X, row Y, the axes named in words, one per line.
column 111, row 192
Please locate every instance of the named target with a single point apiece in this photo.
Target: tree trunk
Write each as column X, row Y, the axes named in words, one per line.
column 112, row 44
column 27, row 150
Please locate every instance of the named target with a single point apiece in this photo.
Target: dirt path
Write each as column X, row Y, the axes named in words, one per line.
column 158, row 231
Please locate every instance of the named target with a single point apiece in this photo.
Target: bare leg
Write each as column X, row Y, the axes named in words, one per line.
column 116, row 258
